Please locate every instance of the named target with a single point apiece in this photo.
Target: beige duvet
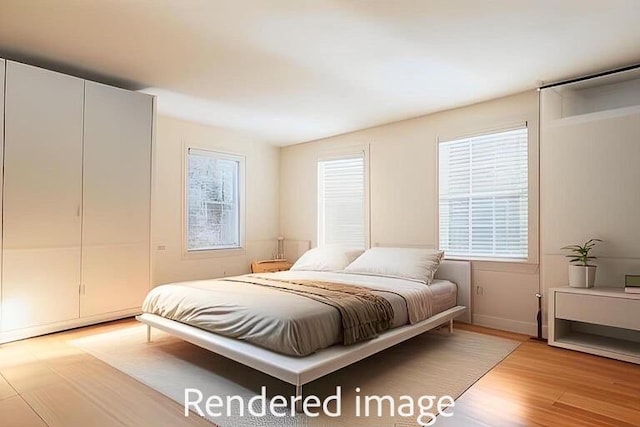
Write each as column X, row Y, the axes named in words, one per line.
column 284, row 322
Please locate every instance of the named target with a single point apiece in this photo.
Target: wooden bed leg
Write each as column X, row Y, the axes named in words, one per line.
column 451, row 326
column 148, row 334
column 298, row 398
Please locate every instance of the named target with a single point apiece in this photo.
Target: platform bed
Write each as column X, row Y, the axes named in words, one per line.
column 302, row 370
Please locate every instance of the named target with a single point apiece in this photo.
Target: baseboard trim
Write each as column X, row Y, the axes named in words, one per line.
column 503, row 324
column 35, row 331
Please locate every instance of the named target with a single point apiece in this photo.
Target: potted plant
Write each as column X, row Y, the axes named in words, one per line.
column 581, row 273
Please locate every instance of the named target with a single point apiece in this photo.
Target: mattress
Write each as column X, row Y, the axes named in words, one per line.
column 284, row 322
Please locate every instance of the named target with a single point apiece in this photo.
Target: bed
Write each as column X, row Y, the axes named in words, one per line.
column 265, row 342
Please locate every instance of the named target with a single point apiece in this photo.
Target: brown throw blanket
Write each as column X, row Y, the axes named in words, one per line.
column 363, row 313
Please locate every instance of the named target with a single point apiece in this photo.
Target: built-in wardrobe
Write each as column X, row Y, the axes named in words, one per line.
column 76, row 192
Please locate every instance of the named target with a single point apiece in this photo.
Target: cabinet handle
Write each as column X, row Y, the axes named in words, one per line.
column 78, row 211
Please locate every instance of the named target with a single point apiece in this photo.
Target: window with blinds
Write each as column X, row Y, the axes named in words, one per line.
column 341, row 201
column 483, row 195
column 213, row 200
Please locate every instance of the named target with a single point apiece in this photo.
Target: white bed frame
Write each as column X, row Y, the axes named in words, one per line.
column 302, row 370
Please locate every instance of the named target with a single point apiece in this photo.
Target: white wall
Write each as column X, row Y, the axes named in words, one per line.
column 403, row 174
column 262, row 166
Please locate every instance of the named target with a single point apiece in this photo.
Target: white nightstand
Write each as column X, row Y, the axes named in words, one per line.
column 601, row 321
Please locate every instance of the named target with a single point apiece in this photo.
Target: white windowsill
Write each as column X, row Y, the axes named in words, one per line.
column 213, row 253
column 487, row 259
column 500, row 265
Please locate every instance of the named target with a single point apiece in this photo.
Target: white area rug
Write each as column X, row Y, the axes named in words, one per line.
column 433, row 364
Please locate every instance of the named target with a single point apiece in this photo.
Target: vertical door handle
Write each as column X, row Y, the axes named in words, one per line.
column 78, row 211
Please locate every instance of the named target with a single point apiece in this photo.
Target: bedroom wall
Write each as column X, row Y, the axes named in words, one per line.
column 262, row 166
column 403, row 197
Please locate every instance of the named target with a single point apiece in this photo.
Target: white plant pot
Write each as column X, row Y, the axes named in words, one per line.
column 581, row 276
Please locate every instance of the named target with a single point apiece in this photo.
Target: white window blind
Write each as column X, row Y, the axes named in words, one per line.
column 483, row 195
column 341, row 202
column 213, row 200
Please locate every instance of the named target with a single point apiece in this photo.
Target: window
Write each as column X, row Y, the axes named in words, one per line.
column 483, row 197
column 213, row 200
column 341, row 201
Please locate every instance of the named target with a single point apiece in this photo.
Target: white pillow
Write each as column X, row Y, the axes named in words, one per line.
column 327, row 258
column 409, row 263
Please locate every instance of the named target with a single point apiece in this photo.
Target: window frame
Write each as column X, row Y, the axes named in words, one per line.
column 347, row 153
column 531, row 256
column 225, row 250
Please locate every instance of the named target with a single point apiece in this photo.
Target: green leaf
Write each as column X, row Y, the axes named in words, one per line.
column 581, row 253
column 591, row 243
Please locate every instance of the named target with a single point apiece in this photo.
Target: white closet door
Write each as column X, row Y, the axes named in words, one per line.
column 42, row 197
column 2, row 65
column 117, row 195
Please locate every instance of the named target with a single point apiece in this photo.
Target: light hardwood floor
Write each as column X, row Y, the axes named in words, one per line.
column 539, row 385
column 45, row 381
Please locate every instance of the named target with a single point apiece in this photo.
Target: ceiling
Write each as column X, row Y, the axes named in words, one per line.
column 288, row 71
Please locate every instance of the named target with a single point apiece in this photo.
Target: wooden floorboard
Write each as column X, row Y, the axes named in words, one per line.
column 45, row 381
column 5, row 389
column 15, row 412
column 62, row 405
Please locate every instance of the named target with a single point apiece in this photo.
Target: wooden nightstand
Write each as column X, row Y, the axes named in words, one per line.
column 270, row 265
